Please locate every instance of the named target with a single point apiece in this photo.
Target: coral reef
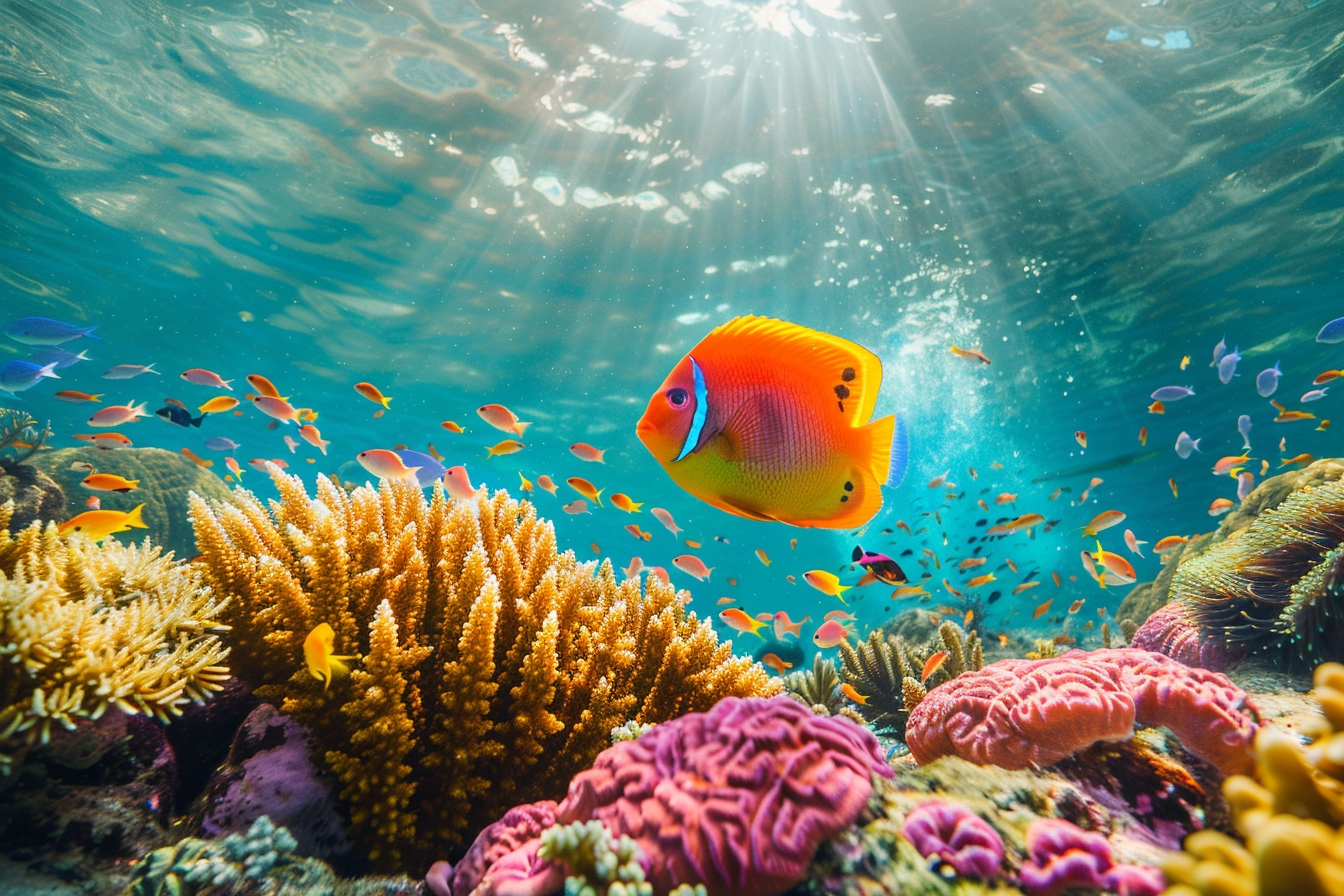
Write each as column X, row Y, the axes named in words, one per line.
column 490, row 666
column 519, row 827
column 598, row 863
column 818, row 687
column 958, row 837
column 1017, row 713
column 1291, row 819
column 737, row 799
column 1062, row 856
column 34, row 495
column 87, row 628
column 166, row 481
column 1171, row 630
column 20, row 437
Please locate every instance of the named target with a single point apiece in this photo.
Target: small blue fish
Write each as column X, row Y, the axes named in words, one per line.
column 1245, row 482
column 1218, row 351
column 45, row 331
column 1185, row 444
column 179, row 415
column 1315, row 394
column 1332, row 332
column 1268, row 380
column 221, row 443
column 429, row 468
column 61, row 357
column 1227, row 367
column 128, row 371
column 16, row 376
column 1244, row 427
column 1173, row 393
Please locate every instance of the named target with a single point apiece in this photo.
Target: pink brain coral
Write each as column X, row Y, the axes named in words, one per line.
column 1173, row 631
column 1019, row 713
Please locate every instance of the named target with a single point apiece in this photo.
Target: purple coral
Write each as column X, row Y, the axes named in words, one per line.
column 1062, row 855
column 521, row 826
column 1173, row 631
column 956, row 836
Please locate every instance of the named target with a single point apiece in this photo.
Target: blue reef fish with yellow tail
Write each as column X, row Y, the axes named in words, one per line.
column 772, row 421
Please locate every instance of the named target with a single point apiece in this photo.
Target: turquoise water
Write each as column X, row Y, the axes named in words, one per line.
column 546, row 206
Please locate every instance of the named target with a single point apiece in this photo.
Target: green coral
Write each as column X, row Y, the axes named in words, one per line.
column 192, row 864
column 599, row 864
column 21, row 436
column 631, row 730
column 818, row 687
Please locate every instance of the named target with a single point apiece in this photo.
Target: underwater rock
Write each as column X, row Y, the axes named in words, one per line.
column 36, row 497
column 202, row 735
column 1017, row 713
column 1062, row 856
column 956, row 836
column 270, row 772
column 166, row 480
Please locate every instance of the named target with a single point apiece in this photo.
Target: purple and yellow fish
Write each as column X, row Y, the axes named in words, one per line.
column 772, row 421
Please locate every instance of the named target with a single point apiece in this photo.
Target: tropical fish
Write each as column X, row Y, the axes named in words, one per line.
column 1011, row 564
column 848, row 690
column 72, row 395
column 1118, row 570
column 1314, row 395
column 1132, row 542
column 1025, row 521
column 264, row 386
column 318, row 652
column 981, row 580
column 310, row 434
column 45, row 331
column 502, row 418
column 1171, row 542
column 1245, row 484
column 692, row 544
column 178, row 416
column 128, row 371
column 83, row 466
column 584, row 451
column 1324, row 425
column 974, row 475
column 576, row 506
column 1143, row 435
column 933, row 664
column 98, row 524
column 634, row 530
column 1006, row 498
column 219, row 404
column 829, row 634
column 276, row 408
column 839, row 615
column 1042, row 609
column 1055, row 576
column 586, row 488
column 740, row 622
column 107, row 482
column 508, row 446
column 19, row 376
column 202, row 377
column 947, row 586
column 1220, row 506
column 545, row 482
column 938, row 481
column 692, row 566
column 762, row 556
column 117, row 414
column 1268, row 380
column 883, row 568
column 666, row 519
column 1330, row 334
column 1218, row 351
column 1185, row 445
column 1077, row 605
column 373, row 394
column 1302, row 459
column 824, row 460
column 972, row 563
column 1157, row 407
column 1174, row 492
column 969, row 354
column 1227, row 365
column 58, row 356
column 1287, row 416
column 458, row 484
column 786, row 626
column 656, row 571
column 385, row 464
column 1081, row 438
column 634, row 569
column 1226, row 464
column 452, row 427
column 221, row 443
column 774, row 662
column 1171, row 393
column 1025, row 586
column 1185, row 362
column 908, row 591
column 93, row 502
column 827, row 583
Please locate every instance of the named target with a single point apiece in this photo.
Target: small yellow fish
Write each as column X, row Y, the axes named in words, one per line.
column 1325, row 424
column 219, row 404
column 371, row 392
column 762, row 556
column 848, row 690
column 622, row 501
column 969, row 354
column 264, row 387
column 322, row 663
column 508, row 446
column 692, row 544
column 827, row 583
column 981, row 580
column 106, row 482
column 452, row 427
column 1185, row 362
column 586, row 488
column 740, row 622
column 526, row 484
column 98, row 524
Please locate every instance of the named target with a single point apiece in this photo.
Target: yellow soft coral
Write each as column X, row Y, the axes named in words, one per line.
column 85, row 627
column 492, row 666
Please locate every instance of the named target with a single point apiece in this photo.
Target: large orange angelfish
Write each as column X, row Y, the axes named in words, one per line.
column 771, row 421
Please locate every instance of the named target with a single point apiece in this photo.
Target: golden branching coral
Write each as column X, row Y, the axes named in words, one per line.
column 491, row 667
column 1291, row 818
column 86, row 627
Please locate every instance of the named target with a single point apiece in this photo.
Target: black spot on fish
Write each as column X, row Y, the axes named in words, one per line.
column 849, row 486
column 844, row 498
column 841, row 406
column 848, row 374
column 842, row 392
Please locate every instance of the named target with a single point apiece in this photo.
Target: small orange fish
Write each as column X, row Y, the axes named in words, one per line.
column 981, row 580
column 827, row 583
column 586, row 488
column 508, row 446
column 1171, row 542
column 524, row 485
column 1325, row 424
column 94, row 503
column 848, row 690
column 972, row 563
column 1011, row 564
column 1054, row 494
column 1003, row 640
column 1006, row 498
column 1287, row 416
column 1157, row 407
column 969, row 354
column 1326, row 376
column 1077, row 605
column 724, row 601
column 1044, row 608
column 1104, row 520
column 371, row 392
column 774, row 662
column 693, row 566
column 313, row 436
column 1096, row 481
column 276, row 408
column 1229, row 463
column 1220, row 506
column 1174, row 492
column 966, row 620
column 1026, row 521
column 1064, row 640
column 380, row 412
column 693, row 545
column 232, row 463
column 950, row 590
column 740, row 622
column 502, row 418
column 793, row 544
column 595, row 549
column 1025, row 586
column 1143, row 435
column 218, row 405
column 621, row 501
column 1055, row 576
column 1302, row 459
column 237, row 413
column 107, row 482
column 196, row 459
column 1101, row 611
column 983, row 505
column 634, row 530
column 318, row 649
column 908, row 591
column 264, row 386
column 762, row 556
column 1081, row 438
column 933, row 664
column 98, row 524
column 903, row 526
column 545, row 482
column 584, row 451
column 72, row 395
column 452, row 427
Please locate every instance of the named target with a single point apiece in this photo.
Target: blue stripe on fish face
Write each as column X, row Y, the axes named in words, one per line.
column 701, row 411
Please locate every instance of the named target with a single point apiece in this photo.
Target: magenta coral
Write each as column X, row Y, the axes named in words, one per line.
column 1173, row 631
column 1021, row 713
column 1061, row 855
column 955, row 835
column 519, row 827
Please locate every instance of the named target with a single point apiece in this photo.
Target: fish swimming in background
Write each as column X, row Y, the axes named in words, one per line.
column 1267, row 380
column 762, row 556
column 373, row 394
column 1143, row 435
column 1229, row 463
column 636, row 566
column 1227, row 366
column 452, row 426
column 107, row 482
column 740, row 622
column 221, row 443
column 772, row 661
column 1185, row 362
column 978, row 581
column 1006, row 498
column 1218, row 351
column 319, row 652
column 576, row 506
column 827, row 583
column 883, row 568
column 584, row 451
column 1157, row 407
column 1044, row 608
column 128, row 371
column 117, row 414
column 1301, row 460
column 1244, row 427
column 848, row 690
column 198, row 460
column 1174, row 492
column 264, row 386
column 1326, row 376
column 1081, row 438
column 1169, row 543
column 276, row 408
column 586, row 488
column 1314, row 395
column 19, row 376
column 202, row 377
column 1330, row 334
column 1132, row 542
column 1172, row 393
column 1220, row 506
column 313, row 436
column 634, row 530
column 933, row 664
column 1025, row 586
column 458, row 484
column 621, row 501
column 45, row 331
column 98, row 524
column 1287, row 416
column 93, row 502
column 72, row 395
column 783, row 625
column 830, row 633
column 772, row 421
column 1104, row 520
column 508, row 446
column 525, row 484
column 232, row 463
column 1025, row 521
column 259, row 463
column 665, row 518
column 547, row 485
column 1185, row 445
column 1245, row 484
column 502, row 418
column 218, row 405
column 59, row 356
column 969, row 354
column 386, row 464
column 178, row 416
column 692, row 566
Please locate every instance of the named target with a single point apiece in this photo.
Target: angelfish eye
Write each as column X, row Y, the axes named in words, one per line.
column 677, row 397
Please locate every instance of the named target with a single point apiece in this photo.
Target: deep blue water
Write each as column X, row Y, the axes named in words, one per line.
column 482, row 202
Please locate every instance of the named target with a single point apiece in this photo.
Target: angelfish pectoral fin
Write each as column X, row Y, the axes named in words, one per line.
column 900, row 454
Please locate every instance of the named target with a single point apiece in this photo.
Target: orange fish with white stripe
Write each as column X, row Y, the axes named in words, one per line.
column 773, row 421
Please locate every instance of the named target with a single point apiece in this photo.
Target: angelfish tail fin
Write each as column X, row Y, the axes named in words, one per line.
column 899, row 462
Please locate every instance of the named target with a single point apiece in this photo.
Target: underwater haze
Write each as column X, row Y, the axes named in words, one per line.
column 545, row 206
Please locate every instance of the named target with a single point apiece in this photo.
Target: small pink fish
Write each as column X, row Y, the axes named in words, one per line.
column 1133, row 543
column 312, row 436
column 666, row 519
column 660, row 573
column 259, row 463
column 830, row 634
column 692, row 566
column 277, row 408
column 786, row 626
column 232, row 463
column 584, row 451
column 202, row 377
column 635, row 568
column 458, row 484
column 577, row 506
column 117, row 414
column 385, row 464
column 291, row 444
column 840, row 615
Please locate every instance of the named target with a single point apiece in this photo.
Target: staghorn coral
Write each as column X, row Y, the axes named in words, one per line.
column 491, row 665
column 85, row 627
